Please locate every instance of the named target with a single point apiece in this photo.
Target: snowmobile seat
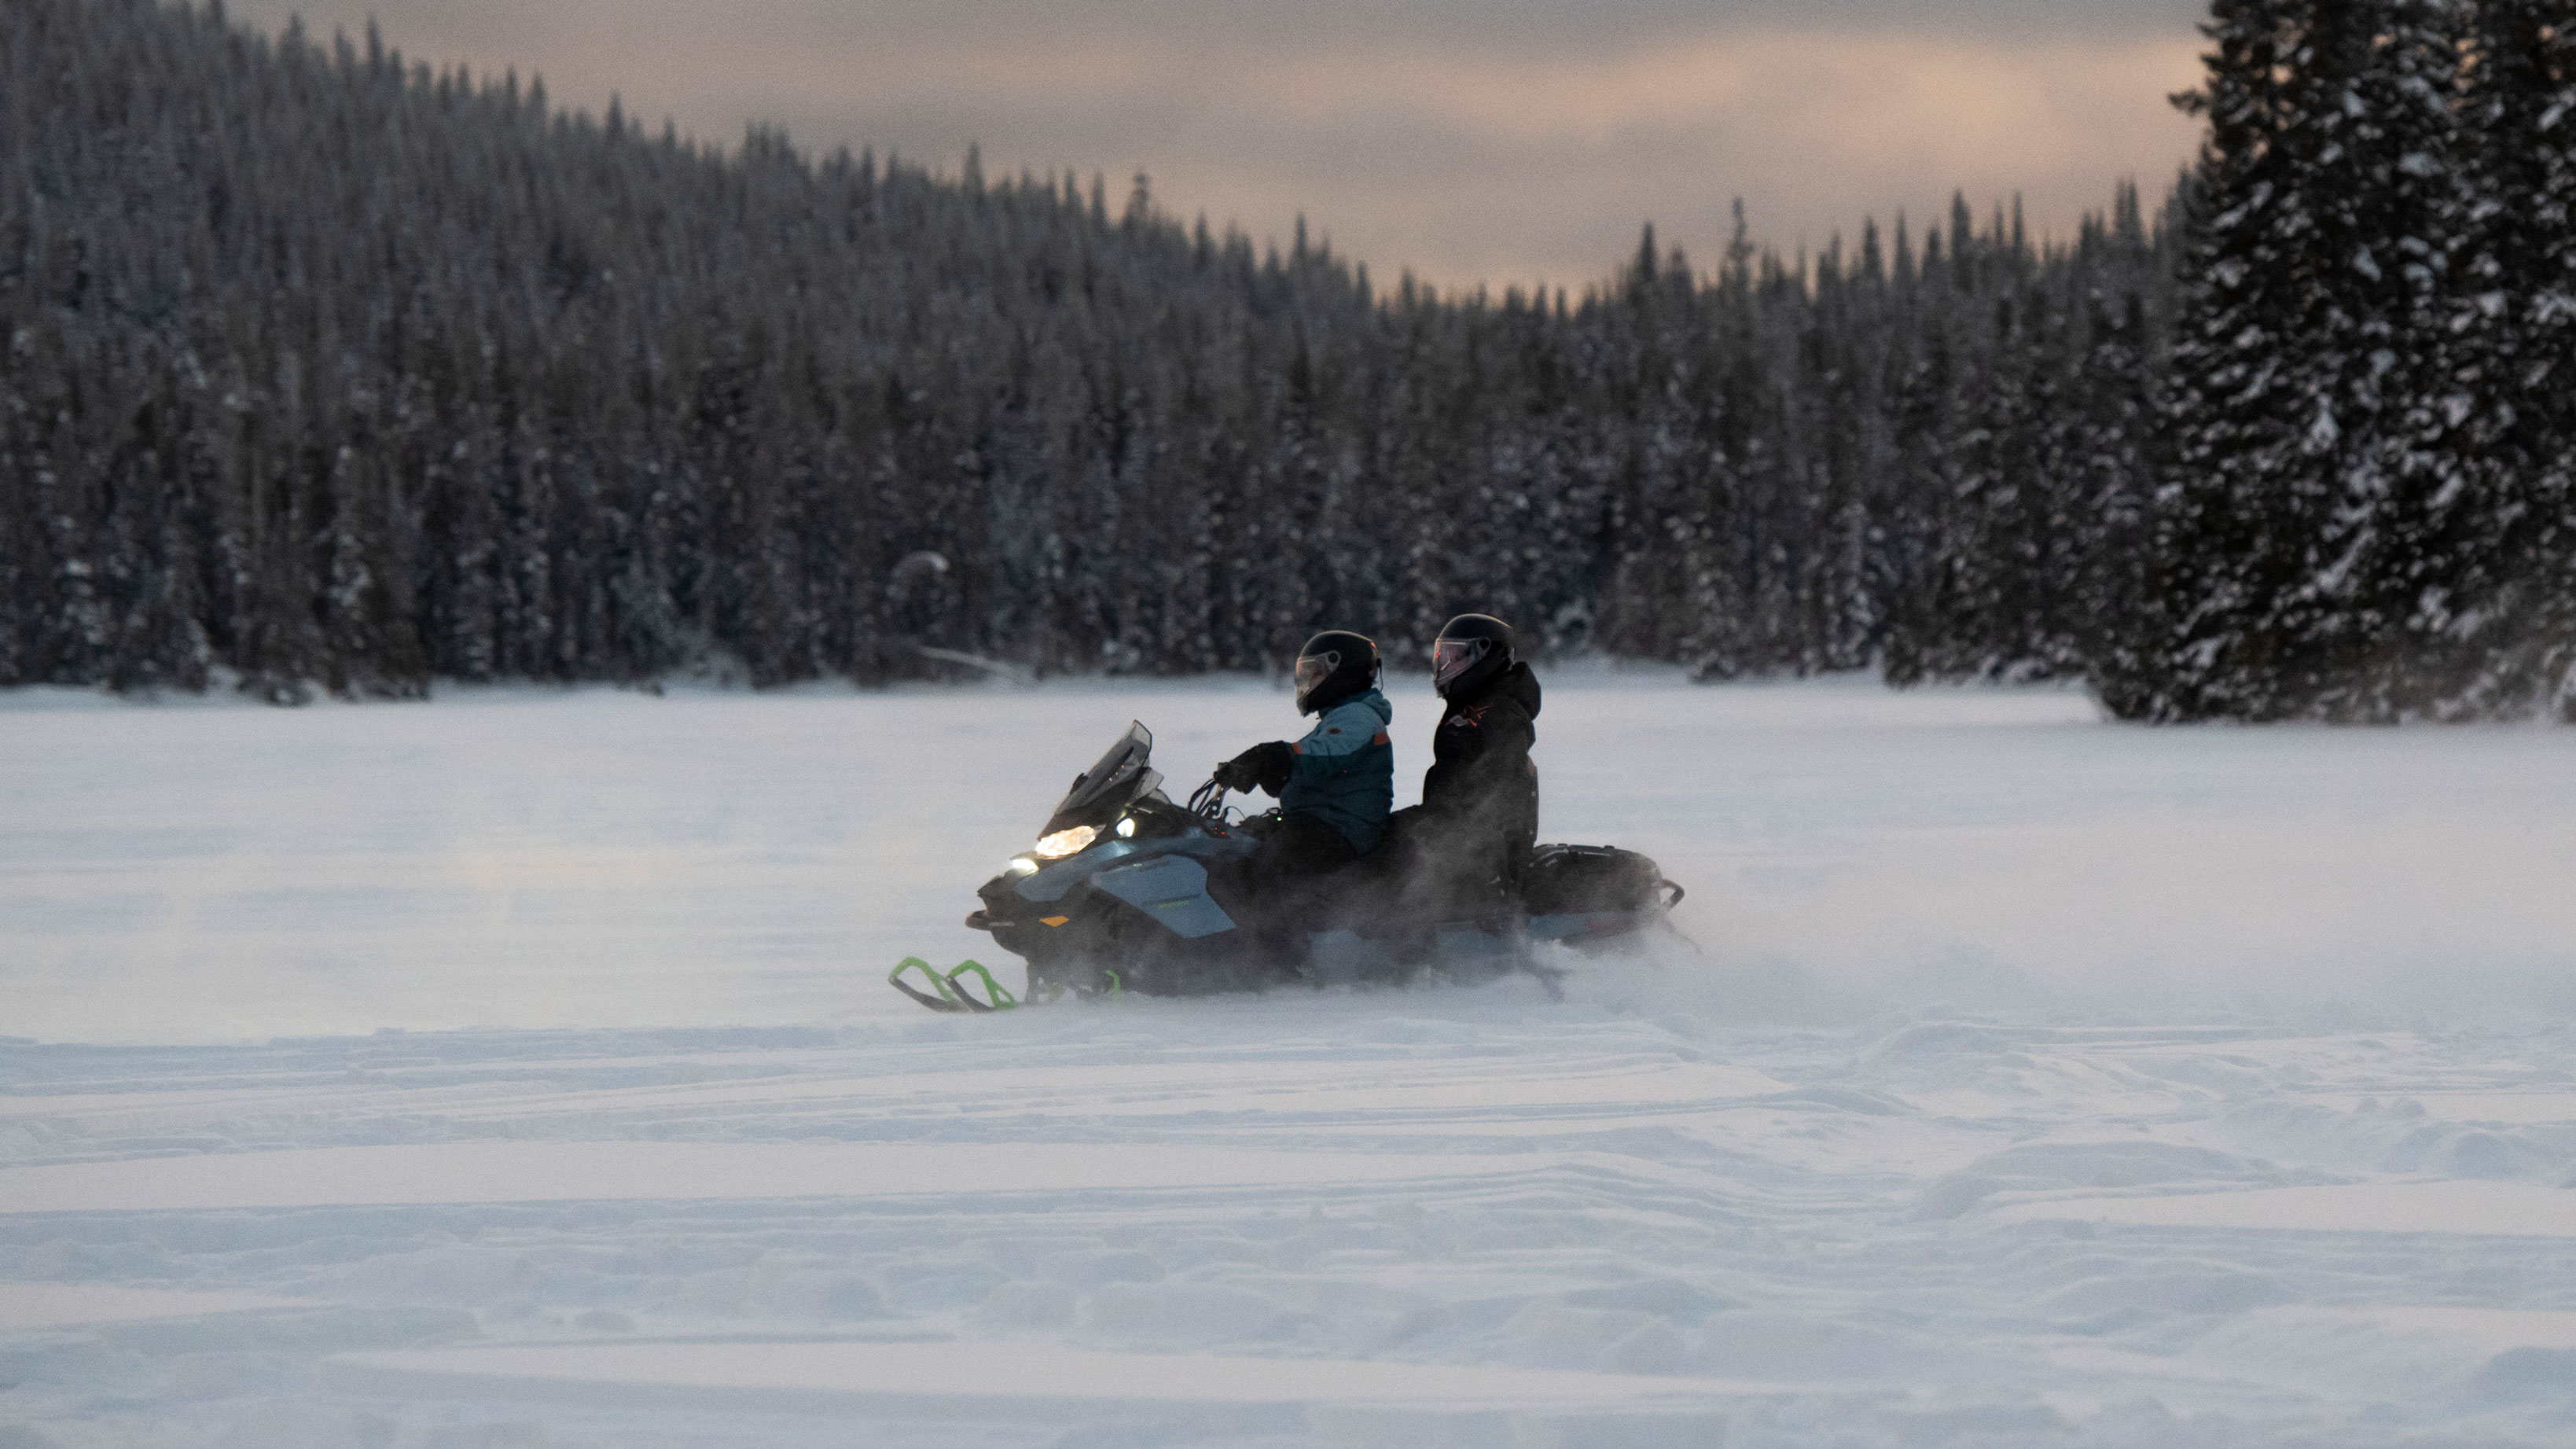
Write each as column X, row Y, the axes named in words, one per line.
column 1580, row 879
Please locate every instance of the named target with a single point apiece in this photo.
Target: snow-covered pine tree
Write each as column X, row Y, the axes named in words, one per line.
column 2516, row 324
column 1991, row 537
column 2220, row 508
column 2105, row 463
column 2298, row 531
column 2401, row 610
column 1930, row 393
column 2547, row 384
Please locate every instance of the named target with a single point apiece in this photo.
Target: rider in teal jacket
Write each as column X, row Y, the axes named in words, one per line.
column 1337, row 785
column 1343, row 771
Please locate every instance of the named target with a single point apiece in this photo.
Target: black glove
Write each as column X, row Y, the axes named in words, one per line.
column 1263, row 767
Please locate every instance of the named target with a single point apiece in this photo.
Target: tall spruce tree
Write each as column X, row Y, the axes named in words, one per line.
column 2516, row 318
column 2405, row 597
column 2223, row 513
column 2546, row 378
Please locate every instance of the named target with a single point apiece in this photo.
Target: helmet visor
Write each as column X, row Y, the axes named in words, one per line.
column 1453, row 657
column 1314, row 669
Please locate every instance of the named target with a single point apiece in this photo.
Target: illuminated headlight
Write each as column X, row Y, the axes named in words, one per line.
column 1066, row 842
column 1126, row 827
column 1020, row 865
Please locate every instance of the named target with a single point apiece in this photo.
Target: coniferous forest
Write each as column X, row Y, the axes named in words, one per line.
column 319, row 369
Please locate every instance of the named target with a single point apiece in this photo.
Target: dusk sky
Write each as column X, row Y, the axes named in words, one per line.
column 1492, row 141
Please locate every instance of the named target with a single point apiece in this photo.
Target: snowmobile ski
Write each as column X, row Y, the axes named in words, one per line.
column 995, row 998
column 947, row 993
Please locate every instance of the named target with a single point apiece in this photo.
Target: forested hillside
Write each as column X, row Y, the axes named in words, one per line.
column 322, row 369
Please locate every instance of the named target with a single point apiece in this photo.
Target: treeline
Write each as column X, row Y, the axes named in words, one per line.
column 320, row 368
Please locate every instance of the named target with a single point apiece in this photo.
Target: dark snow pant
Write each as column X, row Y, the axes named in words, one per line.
column 1287, row 878
column 1298, row 849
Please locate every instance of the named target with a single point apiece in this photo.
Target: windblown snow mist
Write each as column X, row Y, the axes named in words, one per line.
column 545, row 859
column 1851, row 852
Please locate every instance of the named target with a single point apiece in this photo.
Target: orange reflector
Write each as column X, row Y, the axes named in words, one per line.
column 1054, row 920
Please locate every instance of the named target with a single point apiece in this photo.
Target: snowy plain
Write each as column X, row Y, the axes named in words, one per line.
column 516, row 1069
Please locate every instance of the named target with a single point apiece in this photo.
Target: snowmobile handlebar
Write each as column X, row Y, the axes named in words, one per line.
column 1208, row 800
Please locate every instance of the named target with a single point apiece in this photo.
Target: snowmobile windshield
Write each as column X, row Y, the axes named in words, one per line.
column 1124, row 776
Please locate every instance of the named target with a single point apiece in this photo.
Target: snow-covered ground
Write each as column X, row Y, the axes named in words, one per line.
column 516, row 1070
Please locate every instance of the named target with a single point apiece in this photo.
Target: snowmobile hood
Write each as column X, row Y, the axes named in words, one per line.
column 1516, row 684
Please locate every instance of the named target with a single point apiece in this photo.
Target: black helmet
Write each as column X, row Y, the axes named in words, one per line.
column 1333, row 666
column 1471, row 649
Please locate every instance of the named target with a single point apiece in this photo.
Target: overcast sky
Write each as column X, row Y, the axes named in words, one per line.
column 1470, row 140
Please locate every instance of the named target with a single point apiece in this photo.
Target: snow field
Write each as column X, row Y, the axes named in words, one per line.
column 609, row 1237
column 515, row 1071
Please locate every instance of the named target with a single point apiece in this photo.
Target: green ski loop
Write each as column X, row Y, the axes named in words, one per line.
column 951, row 991
column 995, row 997
column 946, row 998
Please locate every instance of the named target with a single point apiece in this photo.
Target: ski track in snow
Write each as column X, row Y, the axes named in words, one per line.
column 2045, row 1082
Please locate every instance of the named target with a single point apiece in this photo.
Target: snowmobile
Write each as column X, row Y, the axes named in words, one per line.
column 1126, row 891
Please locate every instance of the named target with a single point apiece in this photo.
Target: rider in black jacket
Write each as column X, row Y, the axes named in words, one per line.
column 1479, row 815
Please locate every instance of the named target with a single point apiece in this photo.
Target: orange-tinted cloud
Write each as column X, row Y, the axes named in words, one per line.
column 1470, row 140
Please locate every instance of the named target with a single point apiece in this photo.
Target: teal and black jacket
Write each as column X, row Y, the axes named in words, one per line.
column 1342, row 773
